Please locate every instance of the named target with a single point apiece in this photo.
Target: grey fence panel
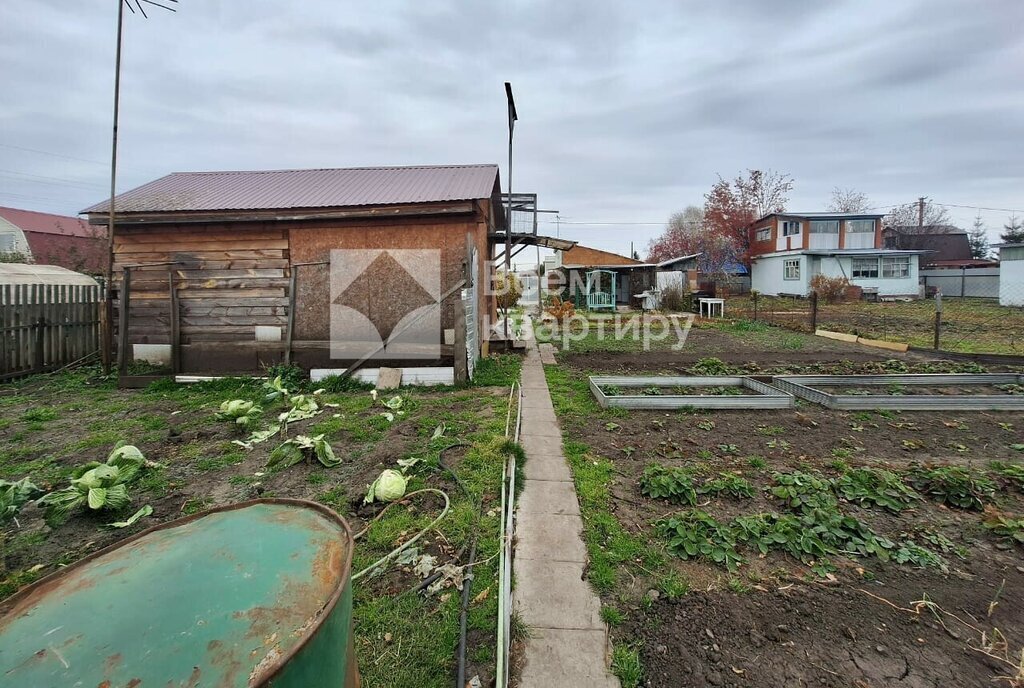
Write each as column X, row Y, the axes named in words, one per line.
column 976, row 282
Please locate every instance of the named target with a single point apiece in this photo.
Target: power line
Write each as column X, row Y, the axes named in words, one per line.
column 981, row 207
column 43, row 179
column 67, row 157
column 25, row 197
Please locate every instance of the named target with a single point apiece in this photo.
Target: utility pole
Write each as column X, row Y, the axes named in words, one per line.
column 920, row 212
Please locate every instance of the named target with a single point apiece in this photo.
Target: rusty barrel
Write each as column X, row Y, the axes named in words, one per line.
column 252, row 594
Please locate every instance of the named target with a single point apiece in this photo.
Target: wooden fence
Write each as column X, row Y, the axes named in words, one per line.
column 46, row 327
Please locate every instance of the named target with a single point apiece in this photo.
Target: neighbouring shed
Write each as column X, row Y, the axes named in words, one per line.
column 42, row 276
column 1011, row 274
column 581, row 268
column 48, row 239
column 49, row 318
column 246, row 269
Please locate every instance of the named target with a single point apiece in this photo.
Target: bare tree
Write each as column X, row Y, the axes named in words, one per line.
column 683, row 237
column 690, row 216
column 906, row 217
column 729, row 208
column 848, row 201
column 766, row 192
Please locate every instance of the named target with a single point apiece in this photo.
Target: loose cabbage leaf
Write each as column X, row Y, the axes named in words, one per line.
column 134, row 518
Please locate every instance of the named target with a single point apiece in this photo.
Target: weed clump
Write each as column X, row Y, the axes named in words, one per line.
column 956, row 486
column 876, row 486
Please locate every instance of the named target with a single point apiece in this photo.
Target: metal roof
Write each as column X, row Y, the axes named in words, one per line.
column 677, row 259
column 321, row 188
column 48, row 223
column 822, row 216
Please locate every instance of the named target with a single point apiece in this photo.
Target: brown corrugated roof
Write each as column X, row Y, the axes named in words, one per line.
column 285, row 189
column 47, row 223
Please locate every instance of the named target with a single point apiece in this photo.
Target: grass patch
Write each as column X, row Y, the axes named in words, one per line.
column 626, row 665
column 499, row 370
column 610, row 547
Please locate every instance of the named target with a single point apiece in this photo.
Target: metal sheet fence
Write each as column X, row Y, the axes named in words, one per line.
column 975, row 282
column 47, row 327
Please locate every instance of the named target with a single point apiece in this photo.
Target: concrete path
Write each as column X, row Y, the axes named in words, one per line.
column 568, row 644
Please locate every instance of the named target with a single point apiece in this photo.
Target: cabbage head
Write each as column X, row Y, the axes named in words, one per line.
column 388, row 487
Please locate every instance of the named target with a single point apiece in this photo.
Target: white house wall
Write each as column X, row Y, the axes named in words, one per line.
column 842, row 266
column 1011, row 276
column 766, row 276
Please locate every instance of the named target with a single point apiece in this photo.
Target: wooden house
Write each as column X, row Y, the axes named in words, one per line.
column 232, row 271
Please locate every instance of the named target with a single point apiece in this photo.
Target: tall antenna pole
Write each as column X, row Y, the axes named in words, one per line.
column 108, row 306
column 107, row 311
column 512, row 117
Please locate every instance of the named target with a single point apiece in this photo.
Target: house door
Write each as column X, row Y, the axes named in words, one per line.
column 623, row 292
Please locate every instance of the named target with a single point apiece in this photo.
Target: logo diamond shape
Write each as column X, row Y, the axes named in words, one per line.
column 369, row 294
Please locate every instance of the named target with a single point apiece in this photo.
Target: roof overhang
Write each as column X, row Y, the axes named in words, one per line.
column 822, row 216
column 843, row 253
column 854, row 252
column 535, row 240
column 677, row 259
column 612, row 266
column 286, row 215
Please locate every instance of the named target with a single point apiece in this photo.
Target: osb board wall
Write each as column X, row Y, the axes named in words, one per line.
column 313, row 243
column 230, row 278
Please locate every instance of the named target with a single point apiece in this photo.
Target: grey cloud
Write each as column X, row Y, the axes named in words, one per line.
column 628, row 110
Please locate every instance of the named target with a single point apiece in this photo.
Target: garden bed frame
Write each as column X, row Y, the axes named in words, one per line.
column 805, row 387
column 760, row 396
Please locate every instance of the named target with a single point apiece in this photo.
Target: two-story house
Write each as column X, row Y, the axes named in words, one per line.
column 788, row 249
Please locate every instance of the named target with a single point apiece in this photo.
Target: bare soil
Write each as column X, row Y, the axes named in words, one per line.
column 809, row 354
column 774, row 622
column 821, row 634
column 792, row 629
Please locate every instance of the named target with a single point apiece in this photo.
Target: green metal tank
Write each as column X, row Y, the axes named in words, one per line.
column 253, row 594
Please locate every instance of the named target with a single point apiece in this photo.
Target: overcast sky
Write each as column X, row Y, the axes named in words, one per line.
column 628, row 110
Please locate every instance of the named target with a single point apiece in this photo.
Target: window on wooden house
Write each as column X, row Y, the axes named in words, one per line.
column 790, row 227
column 763, row 234
column 825, row 227
column 864, row 268
column 896, row 267
column 791, row 269
column 860, row 226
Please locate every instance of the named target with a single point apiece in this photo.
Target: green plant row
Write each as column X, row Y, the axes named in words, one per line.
column 811, row 536
column 679, row 486
column 955, row 486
